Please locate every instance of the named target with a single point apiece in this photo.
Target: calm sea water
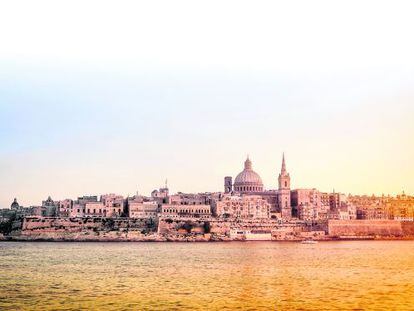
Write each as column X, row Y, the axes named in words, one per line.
column 198, row 276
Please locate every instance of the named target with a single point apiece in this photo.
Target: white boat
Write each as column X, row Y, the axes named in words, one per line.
column 251, row 235
column 309, row 242
column 258, row 235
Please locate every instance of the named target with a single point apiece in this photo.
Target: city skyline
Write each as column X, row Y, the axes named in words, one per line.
column 247, row 159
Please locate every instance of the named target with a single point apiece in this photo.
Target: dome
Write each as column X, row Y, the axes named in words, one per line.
column 247, row 177
column 15, row 205
column 248, row 180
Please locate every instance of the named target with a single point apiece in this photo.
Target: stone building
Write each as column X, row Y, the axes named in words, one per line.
column 96, row 209
column 190, row 199
column 307, row 204
column 143, row 209
column 248, row 182
column 242, row 207
column 185, row 211
column 65, row 207
column 16, row 210
column 114, row 205
column 109, row 205
column 161, row 195
column 50, row 207
column 79, row 205
column 340, row 208
column 401, row 207
column 369, row 207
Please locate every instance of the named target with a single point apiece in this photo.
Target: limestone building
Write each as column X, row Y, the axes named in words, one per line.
column 308, row 204
column 248, row 182
column 189, row 198
column 242, row 207
column 185, row 211
column 65, row 207
column 161, row 195
column 143, row 210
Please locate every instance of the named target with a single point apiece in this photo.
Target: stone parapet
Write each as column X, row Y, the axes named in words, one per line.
column 49, row 224
column 364, row 228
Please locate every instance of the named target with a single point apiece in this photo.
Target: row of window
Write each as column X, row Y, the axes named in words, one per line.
column 186, row 211
column 240, row 208
column 94, row 211
column 248, row 188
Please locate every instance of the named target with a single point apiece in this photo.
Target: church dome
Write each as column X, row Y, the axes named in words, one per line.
column 248, row 176
column 15, row 205
column 248, row 180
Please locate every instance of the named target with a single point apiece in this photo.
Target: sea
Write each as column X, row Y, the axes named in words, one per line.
column 343, row 275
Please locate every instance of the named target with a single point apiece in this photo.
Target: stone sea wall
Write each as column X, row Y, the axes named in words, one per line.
column 408, row 228
column 47, row 225
column 220, row 229
column 190, row 229
column 214, row 226
column 383, row 228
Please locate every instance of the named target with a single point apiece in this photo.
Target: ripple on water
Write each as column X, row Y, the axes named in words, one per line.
column 351, row 275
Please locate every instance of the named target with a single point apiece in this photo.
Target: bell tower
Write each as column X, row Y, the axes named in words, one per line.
column 228, row 184
column 284, row 192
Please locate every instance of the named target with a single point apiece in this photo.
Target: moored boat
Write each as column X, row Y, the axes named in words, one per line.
column 309, row 242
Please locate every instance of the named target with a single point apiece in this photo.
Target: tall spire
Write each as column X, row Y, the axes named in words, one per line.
column 283, row 171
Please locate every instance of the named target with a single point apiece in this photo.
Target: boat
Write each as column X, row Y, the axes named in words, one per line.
column 251, row 235
column 258, row 235
column 309, row 242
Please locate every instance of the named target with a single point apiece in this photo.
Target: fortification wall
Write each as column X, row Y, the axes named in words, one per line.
column 364, row 228
column 48, row 225
column 183, row 226
column 408, row 228
column 124, row 229
column 223, row 227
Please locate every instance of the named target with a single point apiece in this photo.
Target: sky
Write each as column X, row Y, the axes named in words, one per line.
column 118, row 96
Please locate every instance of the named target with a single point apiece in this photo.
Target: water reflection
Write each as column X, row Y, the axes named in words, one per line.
column 252, row 275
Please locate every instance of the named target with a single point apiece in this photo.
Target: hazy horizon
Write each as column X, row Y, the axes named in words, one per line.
column 183, row 91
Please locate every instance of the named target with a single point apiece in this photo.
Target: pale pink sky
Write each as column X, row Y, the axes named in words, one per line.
column 102, row 96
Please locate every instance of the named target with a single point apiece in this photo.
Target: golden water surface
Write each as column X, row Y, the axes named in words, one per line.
column 354, row 275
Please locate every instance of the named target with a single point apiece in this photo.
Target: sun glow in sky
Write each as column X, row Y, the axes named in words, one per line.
column 117, row 96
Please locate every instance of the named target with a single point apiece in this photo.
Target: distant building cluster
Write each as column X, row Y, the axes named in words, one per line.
column 244, row 199
column 400, row 207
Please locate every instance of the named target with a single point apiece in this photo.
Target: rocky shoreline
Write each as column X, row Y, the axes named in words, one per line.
column 116, row 237
column 184, row 230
